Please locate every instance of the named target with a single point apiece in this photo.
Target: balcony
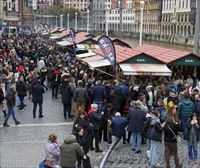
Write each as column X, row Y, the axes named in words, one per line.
column 11, row 16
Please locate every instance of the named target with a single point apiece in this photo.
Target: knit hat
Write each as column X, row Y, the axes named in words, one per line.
column 94, row 107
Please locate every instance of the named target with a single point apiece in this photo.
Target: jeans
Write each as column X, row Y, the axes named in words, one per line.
column 100, row 106
column 154, row 152
column 136, row 140
column 184, row 121
column 148, row 144
column 193, row 151
column 10, row 112
column 21, row 106
column 35, row 108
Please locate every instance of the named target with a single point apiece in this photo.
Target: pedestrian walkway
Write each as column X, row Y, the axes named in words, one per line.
column 124, row 157
column 22, row 146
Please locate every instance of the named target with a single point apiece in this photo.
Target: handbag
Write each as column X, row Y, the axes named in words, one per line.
column 86, row 162
column 178, row 138
column 154, row 134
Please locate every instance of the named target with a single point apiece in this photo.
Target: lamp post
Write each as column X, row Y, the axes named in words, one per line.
column 68, row 21
column 88, row 20
column 61, row 21
column 76, row 22
column 107, row 12
column 141, row 21
column 56, row 22
column 197, row 28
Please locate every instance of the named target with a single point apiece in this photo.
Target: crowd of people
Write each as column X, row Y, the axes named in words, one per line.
column 150, row 110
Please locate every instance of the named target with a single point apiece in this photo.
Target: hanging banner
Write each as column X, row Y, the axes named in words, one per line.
column 107, row 47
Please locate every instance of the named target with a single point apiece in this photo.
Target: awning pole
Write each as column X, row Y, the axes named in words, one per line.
column 102, row 71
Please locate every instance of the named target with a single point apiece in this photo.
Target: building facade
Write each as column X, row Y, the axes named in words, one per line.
column 178, row 17
column 108, row 12
column 81, row 5
column 151, row 17
column 1, row 11
column 11, row 10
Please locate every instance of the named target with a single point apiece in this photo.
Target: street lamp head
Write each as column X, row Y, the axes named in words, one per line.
column 88, row 11
column 68, row 14
column 141, row 4
column 76, row 13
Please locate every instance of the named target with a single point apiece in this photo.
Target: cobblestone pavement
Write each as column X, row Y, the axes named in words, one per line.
column 124, row 157
column 23, row 146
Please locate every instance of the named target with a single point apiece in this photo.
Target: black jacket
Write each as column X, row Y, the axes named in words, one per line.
column 1, row 96
column 21, row 88
column 37, row 93
column 67, row 93
column 168, row 134
column 135, row 119
column 10, row 97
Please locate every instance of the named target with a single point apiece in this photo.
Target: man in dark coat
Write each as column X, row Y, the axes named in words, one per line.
column 55, row 82
column 135, row 120
column 118, row 125
column 95, row 119
column 98, row 94
column 67, row 95
column 37, row 94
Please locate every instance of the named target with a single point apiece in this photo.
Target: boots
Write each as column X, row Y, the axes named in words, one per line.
column 4, row 114
column 17, row 122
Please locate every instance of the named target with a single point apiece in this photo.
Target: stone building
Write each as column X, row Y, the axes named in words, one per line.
column 151, row 17
column 81, row 5
column 178, row 17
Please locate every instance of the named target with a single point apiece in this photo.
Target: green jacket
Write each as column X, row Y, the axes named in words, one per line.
column 185, row 108
column 68, row 151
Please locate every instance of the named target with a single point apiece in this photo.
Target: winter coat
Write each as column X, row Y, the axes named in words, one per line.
column 80, row 95
column 1, row 96
column 98, row 93
column 124, row 90
column 10, row 97
column 68, row 152
column 21, row 88
column 168, row 134
column 42, row 165
column 53, row 150
column 197, row 107
column 196, row 129
column 37, row 93
column 95, row 119
column 67, row 94
column 118, row 125
column 135, row 119
column 116, row 98
column 185, row 108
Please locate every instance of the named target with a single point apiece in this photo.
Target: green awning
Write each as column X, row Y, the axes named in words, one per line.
column 190, row 60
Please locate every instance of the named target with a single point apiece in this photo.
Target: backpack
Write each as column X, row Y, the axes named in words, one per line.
column 147, row 125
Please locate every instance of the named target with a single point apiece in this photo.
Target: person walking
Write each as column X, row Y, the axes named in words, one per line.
column 68, row 152
column 37, row 98
column 171, row 129
column 135, row 121
column 67, row 94
column 55, row 82
column 21, row 91
column 10, row 98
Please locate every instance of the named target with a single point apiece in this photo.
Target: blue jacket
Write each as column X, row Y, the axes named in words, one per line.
column 98, row 93
column 42, row 165
column 118, row 125
column 124, row 90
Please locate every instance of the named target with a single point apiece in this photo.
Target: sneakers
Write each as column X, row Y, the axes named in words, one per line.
column 6, row 125
column 148, row 154
column 190, row 159
column 196, row 161
column 17, row 123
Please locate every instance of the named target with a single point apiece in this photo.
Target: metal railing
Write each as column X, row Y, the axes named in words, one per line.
column 108, row 153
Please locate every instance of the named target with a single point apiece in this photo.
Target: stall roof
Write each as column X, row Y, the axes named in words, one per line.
column 61, row 35
column 54, row 30
column 116, row 41
column 166, row 55
column 142, row 69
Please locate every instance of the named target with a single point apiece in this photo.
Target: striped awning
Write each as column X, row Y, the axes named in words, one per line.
column 145, row 69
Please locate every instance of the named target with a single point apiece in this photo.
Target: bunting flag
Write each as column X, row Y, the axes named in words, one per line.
column 107, row 47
